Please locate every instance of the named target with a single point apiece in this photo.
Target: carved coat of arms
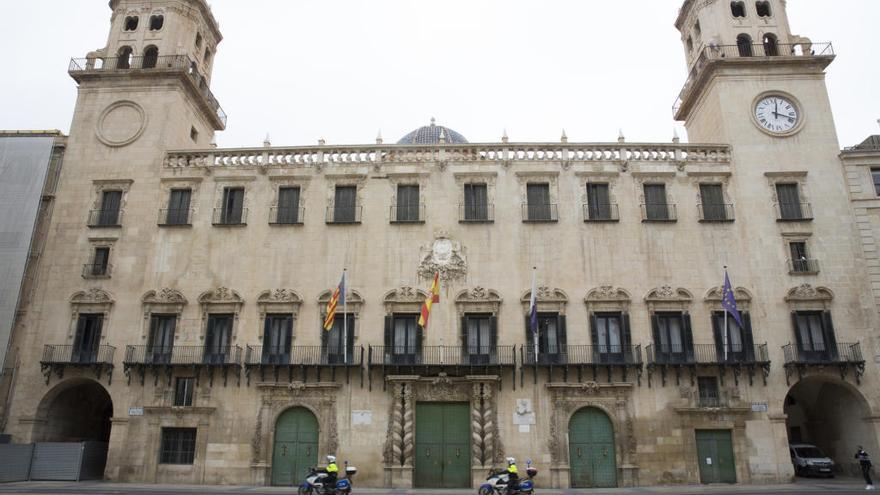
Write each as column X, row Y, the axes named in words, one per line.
column 444, row 256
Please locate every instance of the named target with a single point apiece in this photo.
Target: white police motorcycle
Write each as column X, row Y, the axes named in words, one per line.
column 314, row 483
column 496, row 483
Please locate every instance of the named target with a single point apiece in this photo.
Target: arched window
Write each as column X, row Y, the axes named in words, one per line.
column 763, row 9
column 156, row 22
column 151, row 57
column 131, row 23
column 738, row 8
column 744, row 43
column 771, row 45
column 123, row 60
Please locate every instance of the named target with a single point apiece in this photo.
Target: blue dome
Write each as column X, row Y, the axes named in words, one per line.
column 430, row 134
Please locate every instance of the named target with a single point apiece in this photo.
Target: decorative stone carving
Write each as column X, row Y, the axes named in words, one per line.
column 279, row 296
column 607, row 298
column 408, row 427
column 483, row 425
column 164, row 296
column 549, row 300
column 393, row 452
column 807, row 292
column 478, row 300
column 667, row 297
column 257, row 440
column 92, row 296
column 443, row 256
column 404, row 300
column 220, row 295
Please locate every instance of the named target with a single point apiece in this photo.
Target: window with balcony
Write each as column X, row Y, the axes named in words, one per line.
column 345, row 208
column 288, row 210
column 815, row 337
column 178, row 446
column 771, row 45
column 476, row 203
column 183, row 391
column 87, row 339
column 611, row 337
column 481, row 338
column 151, row 57
column 108, row 214
column 800, row 261
column 218, row 338
column 744, row 45
column 277, row 337
column 790, row 205
column 403, row 339
column 160, row 343
column 178, row 211
column 712, row 206
column 338, row 342
column 232, row 210
column 538, row 206
column 763, row 9
column 673, row 338
column 733, row 344
column 599, row 207
column 738, row 8
column 124, row 57
column 708, row 390
column 657, row 208
column 99, row 267
column 549, row 344
column 408, row 209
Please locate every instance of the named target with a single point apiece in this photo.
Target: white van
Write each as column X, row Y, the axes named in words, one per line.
column 810, row 460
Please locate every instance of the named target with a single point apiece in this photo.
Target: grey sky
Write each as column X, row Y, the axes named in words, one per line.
column 342, row 69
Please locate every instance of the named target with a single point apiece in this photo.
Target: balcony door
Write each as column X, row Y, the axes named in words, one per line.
column 815, row 336
column 550, row 346
column 277, row 334
column 161, row 343
column 403, row 339
column 611, row 337
column 88, row 338
column 739, row 346
column 480, row 338
column 598, row 202
column 218, row 339
column 673, row 339
column 338, row 342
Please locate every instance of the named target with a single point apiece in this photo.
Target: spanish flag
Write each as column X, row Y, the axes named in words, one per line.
column 433, row 297
column 337, row 298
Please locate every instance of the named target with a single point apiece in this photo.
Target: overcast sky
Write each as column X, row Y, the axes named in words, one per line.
column 343, row 69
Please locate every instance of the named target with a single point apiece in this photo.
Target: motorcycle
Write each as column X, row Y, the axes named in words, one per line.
column 497, row 481
column 314, row 483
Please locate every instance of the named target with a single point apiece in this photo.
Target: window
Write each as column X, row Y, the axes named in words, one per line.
column 131, row 23
column 771, row 45
column 480, row 338
column 123, row 59
column 738, row 345
column 288, row 206
column 673, row 339
column 875, row 176
column 178, row 446
column 345, row 204
column 738, row 9
column 800, row 259
column 338, row 343
column 183, row 392
column 178, row 207
column 539, row 208
column 161, row 341
column 815, row 335
column 194, row 134
column 713, row 207
column 744, row 45
column 218, row 339
column 156, row 22
column 151, row 57
column 231, row 213
column 611, row 338
column 277, row 336
column 476, row 207
column 599, row 207
column 763, row 9
column 408, row 209
column 404, row 339
column 108, row 215
column 790, row 206
column 656, row 207
column 708, row 389
column 99, row 266
column 88, row 338
column 550, row 346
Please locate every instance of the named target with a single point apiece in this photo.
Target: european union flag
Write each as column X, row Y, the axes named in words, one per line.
column 728, row 301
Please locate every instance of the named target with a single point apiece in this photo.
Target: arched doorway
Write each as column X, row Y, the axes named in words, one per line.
column 77, row 410
column 592, row 457
column 296, row 446
column 829, row 413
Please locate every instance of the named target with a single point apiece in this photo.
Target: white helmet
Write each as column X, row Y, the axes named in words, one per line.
column 511, row 460
column 331, row 458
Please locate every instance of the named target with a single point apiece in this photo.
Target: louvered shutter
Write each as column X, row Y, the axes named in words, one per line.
column 828, row 333
column 688, row 336
column 748, row 336
column 659, row 351
column 718, row 333
column 626, row 339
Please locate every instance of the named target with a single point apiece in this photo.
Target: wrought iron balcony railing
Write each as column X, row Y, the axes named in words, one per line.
column 105, row 218
column 230, row 218
column 169, row 63
column 710, row 354
column 68, row 354
column 176, row 217
column 286, row 215
column 794, row 212
column 343, row 215
column 820, row 354
column 183, row 355
column 540, row 213
column 442, row 356
column 716, row 212
column 803, row 266
column 601, row 213
column 583, row 355
column 303, row 356
column 97, row 270
column 476, row 213
column 408, row 214
column 659, row 212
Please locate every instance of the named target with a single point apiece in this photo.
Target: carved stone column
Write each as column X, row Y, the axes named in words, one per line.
column 399, row 446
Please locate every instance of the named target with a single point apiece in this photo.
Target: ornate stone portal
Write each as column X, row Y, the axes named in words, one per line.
column 480, row 391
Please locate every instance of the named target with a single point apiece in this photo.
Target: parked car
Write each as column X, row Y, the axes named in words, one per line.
column 810, row 460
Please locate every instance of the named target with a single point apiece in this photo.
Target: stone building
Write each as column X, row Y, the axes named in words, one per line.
column 203, row 345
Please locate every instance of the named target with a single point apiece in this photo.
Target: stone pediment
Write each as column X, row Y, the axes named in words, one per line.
column 164, row 296
column 92, row 296
column 221, row 295
column 279, row 296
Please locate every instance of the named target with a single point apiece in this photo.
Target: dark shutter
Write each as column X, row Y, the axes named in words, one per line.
column 349, row 337
column 562, row 335
column 658, row 348
column 493, row 333
column 718, row 333
column 789, row 201
column 110, row 203
column 797, row 336
column 420, row 331
column 80, row 331
column 530, row 342
column 688, row 336
column 389, row 333
column 267, row 337
column 407, row 203
column 626, row 339
column 237, row 205
column 465, row 343
column 344, row 205
column 538, row 197
column 747, row 336
column 655, row 202
column 288, row 205
column 178, row 207
column 830, row 338
column 713, row 202
column 594, row 332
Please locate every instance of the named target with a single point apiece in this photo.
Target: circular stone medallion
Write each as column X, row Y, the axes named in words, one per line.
column 121, row 124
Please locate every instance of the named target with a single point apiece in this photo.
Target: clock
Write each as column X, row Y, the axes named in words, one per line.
column 777, row 115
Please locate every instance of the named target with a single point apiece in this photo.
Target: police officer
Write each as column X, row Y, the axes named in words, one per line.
column 865, row 463
column 332, row 474
column 512, row 475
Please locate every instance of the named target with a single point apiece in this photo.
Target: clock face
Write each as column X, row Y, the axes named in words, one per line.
column 777, row 114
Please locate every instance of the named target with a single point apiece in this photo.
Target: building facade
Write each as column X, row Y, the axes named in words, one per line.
column 195, row 332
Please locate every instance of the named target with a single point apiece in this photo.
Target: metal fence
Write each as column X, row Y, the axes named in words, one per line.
column 538, row 213
column 442, row 356
column 823, row 354
column 68, row 354
column 582, row 355
column 182, row 355
column 303, row 356
column 601, row 213
column 707, row 354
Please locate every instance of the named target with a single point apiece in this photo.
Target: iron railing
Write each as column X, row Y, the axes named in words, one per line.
column 172, row 63
column 803, row 266
column 716, row 212
column 344, row 214
column 105, row 218
column 442, row 356
column 582, row 355
column 658, row 212
column 183, row 355
column 224, row 216
column 171, row 217
column 794, row 212
column 707, row 354
column 68, row 354
column 303, row 356
column 540, row 213
column 293, row 215
column 476, row 213
column 601, row 213
column 823, row 354
column 408, row 214
column 97, row 270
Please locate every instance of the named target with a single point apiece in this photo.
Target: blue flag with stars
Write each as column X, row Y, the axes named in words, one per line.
column 728, row 302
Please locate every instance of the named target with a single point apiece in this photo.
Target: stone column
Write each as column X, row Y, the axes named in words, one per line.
column 117, row 450
column 784, row 468
column 401, row 435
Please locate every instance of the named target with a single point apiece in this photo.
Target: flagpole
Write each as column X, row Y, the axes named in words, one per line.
column 534, row 308
column 723, row 295
column 344, row 317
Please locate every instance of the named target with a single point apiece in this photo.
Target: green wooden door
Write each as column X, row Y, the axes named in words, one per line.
column 296, row 446
column 715, row 455
column 591, row 450
column 442, row 446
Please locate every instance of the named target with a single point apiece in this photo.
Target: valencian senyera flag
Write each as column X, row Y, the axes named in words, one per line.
column 336, row 299
column 728, row 301
column 433, row 297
